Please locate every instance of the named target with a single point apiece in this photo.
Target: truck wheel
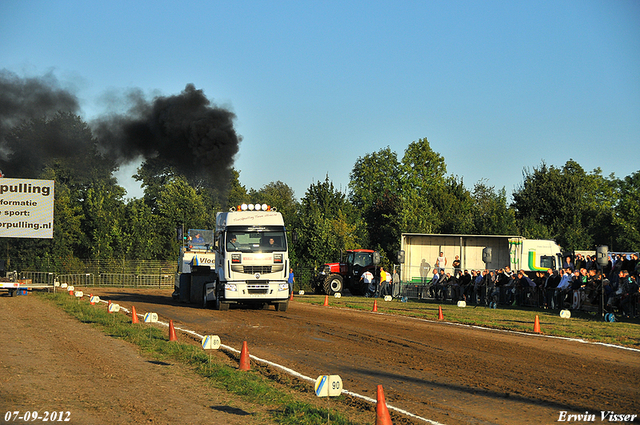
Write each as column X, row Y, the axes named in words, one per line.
column 219, row 305
column 282, row 306
column 13, row 292
column 332, row 284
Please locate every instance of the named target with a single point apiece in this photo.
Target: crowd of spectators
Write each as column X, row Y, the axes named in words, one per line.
column 578, row 284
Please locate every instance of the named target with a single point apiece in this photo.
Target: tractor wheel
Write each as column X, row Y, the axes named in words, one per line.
column 333, row 284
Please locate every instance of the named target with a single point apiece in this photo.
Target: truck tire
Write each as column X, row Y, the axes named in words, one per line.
column 333, row 284
column 219, row 304
column 282, row 306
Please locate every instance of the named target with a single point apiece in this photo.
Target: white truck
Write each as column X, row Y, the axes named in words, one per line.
column 247, row 262
column 476, row 252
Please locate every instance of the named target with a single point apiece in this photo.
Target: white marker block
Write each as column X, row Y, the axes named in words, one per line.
column 79, row 294
column 150, row 317
column 328, row 386
column 64, row 285
column 565, row 314
column 462, row 304
column 70, row 288
column 113, row 308
column 300, row 292
column 388, row 297
column 95, row 299
column 337, row 295
column 211, row 342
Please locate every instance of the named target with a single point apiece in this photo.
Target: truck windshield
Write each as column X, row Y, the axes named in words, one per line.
column 256, row 239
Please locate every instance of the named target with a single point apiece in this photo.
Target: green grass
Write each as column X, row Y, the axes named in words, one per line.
column 283, row 406
column 582, row 325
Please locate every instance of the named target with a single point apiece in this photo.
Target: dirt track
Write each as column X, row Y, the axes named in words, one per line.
column 450, row 374
column 446, row 373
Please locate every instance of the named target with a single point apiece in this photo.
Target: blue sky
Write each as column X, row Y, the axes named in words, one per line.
column 495, row 86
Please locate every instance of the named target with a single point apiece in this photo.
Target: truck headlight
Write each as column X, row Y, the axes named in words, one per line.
column 283, row 287
column 231, row 287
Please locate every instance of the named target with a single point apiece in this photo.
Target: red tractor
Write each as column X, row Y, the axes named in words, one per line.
column 335, row 277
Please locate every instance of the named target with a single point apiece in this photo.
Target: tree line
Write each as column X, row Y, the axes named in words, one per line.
column 388, row 194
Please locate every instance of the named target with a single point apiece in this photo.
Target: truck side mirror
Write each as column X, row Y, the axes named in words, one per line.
column 401, row 256
column 376, row 258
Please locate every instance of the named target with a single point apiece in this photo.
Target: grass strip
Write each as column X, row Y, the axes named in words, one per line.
column 581, row 325
column 153, row 342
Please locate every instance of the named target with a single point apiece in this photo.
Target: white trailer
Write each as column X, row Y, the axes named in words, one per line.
column 420, row 252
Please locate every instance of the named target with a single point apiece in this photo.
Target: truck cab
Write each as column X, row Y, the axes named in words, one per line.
column 252, row 258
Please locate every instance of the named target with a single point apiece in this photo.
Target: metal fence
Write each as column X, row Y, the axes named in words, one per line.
column 120, row 273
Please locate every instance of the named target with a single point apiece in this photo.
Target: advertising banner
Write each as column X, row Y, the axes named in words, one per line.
column 26, row 208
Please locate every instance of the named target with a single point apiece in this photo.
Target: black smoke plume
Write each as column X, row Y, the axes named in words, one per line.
column 184, row 131
column 24, row 99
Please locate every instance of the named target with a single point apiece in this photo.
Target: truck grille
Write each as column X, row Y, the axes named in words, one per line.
column 258, row 289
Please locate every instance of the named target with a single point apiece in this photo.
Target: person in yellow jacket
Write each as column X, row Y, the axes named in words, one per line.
column 383, row 287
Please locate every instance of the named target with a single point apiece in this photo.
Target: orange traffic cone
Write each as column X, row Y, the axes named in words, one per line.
column 326, row 301
column 291, row 296
column 382, row 413
column 375, row 306
column 536, row 325
column 440, row 315
column 244, row 358
column 172, row 332
column 134, row 315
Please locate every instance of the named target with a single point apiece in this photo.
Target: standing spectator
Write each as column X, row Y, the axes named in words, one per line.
column 456, row 266
column 382, row 286
column 367, row 279
column 568, row 264
column 292, row 281
column 551, row 285
column 465, row 281
column 479, row 287
column 433, row 285
column 395, row 286
column 441, row 261
column 564, row 287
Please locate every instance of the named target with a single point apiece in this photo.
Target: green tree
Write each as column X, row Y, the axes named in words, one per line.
column 374, row 191
column 237, row 192
column 278, row 195
column 326, row 225
column 627, row 215
column 103, row 221
column 572, row 206
column 490, row 214
column 423, row 185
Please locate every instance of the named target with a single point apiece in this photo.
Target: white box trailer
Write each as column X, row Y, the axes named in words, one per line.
column 422, row 250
